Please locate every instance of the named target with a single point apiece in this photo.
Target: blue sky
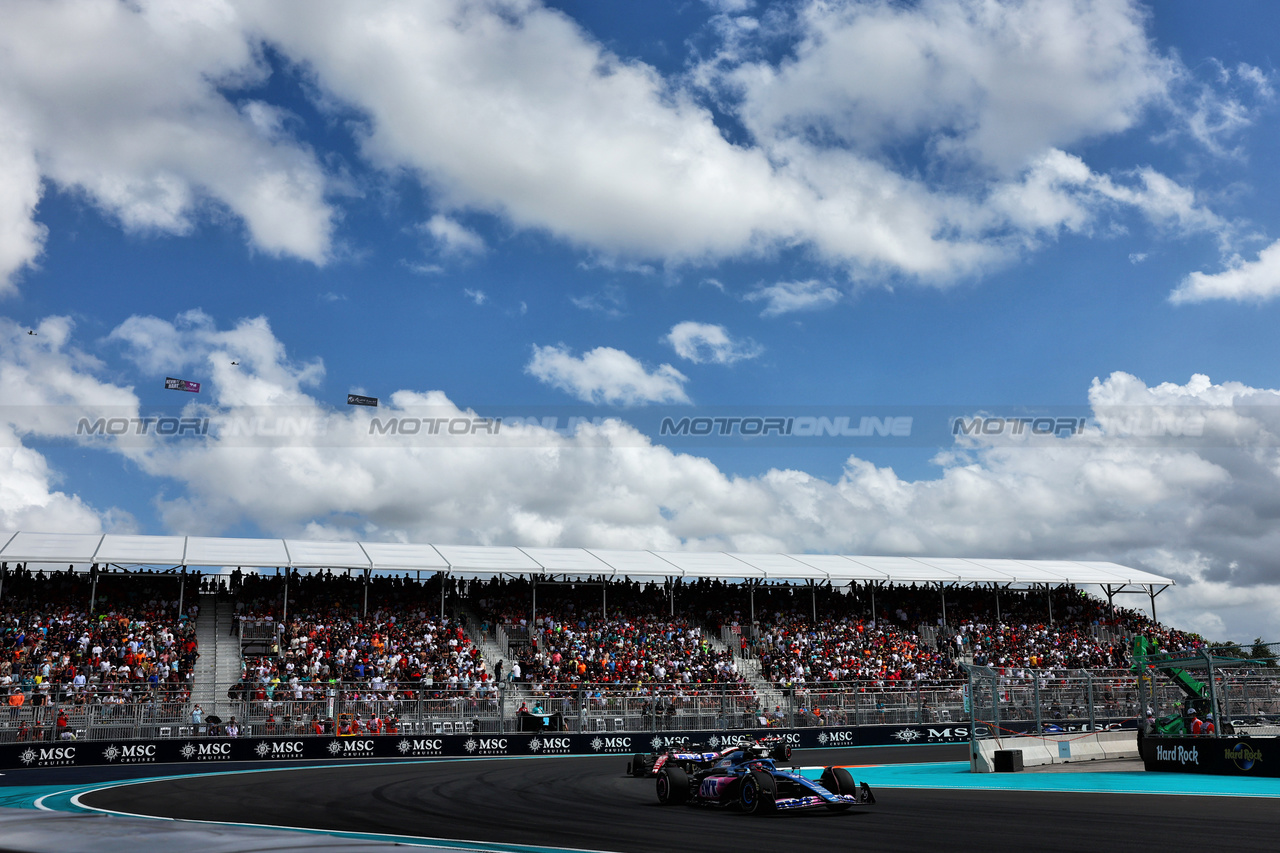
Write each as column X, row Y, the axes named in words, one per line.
column 939, row 209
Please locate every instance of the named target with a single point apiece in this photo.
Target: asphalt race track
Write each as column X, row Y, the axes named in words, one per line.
column 588, row 803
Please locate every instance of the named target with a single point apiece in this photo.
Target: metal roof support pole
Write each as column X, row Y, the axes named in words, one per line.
column 182, row 584
column 284, row 619
column 604, row 598
column 1213, row 690
column 93, row 589
column 365, row 609
column 1151, row 592
column 873, row 602
column 996, row 588
column 1226, row 702
column 1035, row 687
column 1049, row 594
column 943, row 591
column 813, row 593
column 1111, row 605
column 443, row 578
column 533, row 618
column 972, row 694
column 752, row 587
column 995, row 706
column 1093, row 722
column 4, row 570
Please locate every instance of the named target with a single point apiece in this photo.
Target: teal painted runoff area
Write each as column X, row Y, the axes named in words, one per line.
column 956, row 775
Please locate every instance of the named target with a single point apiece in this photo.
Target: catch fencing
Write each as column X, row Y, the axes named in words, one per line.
column 1035, row 700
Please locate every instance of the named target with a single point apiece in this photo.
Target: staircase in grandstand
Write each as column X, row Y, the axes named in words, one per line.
column 219, row 663
column 493, row 648
column 749, row 668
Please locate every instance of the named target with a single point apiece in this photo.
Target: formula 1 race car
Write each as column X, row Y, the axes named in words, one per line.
column 694, row 757
column 755, row 785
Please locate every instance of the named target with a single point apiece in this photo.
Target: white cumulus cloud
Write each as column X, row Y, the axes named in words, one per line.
column 1243, row 281
column 1198, row 509
column 997, row 81
column 510, row 108
column 121, row 102
column 706, row 342
column 786, row 297
column 606, row 375
column 452, row 236
column 46, row 386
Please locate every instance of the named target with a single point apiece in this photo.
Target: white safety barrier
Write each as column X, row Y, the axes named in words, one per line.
column 1039, row 750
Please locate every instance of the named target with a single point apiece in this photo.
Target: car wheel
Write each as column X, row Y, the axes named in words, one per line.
column 838, row 780
column 757, row 793
column 844, row 783
column 673, row 786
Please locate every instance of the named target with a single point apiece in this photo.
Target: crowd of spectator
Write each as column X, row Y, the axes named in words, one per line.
column 907, row 639
column 626, row 635
column 380, row 643
column 376, row 652
column 68, row 643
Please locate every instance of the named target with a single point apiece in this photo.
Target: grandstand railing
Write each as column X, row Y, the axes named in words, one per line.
column 259, row 637
column 123, row 711
column 1048, row 699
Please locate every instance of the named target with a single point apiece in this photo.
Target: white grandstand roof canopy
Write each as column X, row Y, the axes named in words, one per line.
column 566, row 563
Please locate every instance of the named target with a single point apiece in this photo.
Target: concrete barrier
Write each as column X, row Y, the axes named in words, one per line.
column 1041, row 750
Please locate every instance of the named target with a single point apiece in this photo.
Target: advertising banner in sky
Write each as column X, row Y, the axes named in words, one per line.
column 357, row 400
column 171, row 384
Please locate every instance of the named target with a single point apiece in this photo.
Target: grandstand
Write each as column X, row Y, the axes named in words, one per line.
column 309, row 637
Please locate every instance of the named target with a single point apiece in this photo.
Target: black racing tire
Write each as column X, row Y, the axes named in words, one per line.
column 841, row 782
column 636, row 767
column 786, row 752
column 673, row 786
column 844, row 783
column 758, row 793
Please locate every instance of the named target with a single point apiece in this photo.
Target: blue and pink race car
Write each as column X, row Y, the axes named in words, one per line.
column 748, row 779
column 694, row 757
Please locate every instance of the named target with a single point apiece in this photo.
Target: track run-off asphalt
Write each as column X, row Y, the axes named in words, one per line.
column 588, row 803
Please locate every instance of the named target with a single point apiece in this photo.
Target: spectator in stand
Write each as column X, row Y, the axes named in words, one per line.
column 133, row 649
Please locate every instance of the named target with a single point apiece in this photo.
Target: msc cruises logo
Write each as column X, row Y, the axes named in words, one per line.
column 420, row 746
column 486, row 746
column 838, row 738
column 549, row 745
column 279, row 749
column 130, row 753
column 47, row 756
column 350, row 748
column 211, row 751
column 907, row 735
column 611, row 744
